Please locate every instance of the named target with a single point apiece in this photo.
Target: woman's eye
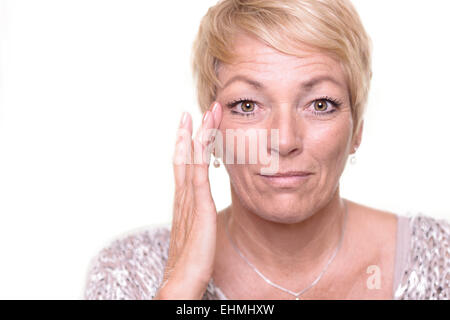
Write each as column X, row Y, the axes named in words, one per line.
column 321, row 105
column 247, row 106
column 243, row 107
column 325, row 106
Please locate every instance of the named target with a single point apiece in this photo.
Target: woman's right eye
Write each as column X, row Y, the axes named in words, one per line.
column 243, row 107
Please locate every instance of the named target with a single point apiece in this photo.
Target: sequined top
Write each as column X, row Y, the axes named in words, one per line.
column 132, row 266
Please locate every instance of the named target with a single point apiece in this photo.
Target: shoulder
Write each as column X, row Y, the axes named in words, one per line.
column 426, row 273
column 131, row 266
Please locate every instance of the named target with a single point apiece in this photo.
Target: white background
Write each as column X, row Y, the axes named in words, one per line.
column 91, row 95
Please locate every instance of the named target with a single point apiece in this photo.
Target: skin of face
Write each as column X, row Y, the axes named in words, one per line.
column 310, row 139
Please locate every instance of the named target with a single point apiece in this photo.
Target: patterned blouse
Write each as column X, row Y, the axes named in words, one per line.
column 132, row 266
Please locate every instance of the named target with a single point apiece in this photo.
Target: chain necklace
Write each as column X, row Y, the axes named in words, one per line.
column 296, row 294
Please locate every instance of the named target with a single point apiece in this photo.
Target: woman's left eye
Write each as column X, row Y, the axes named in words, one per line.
column 322, row 105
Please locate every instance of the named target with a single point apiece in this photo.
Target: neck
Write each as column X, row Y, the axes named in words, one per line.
column 292, row 248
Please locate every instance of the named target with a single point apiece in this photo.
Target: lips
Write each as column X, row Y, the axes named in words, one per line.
column 289, row 174
column 287, row 179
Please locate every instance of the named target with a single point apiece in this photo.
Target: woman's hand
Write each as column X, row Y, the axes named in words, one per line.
column 193, row 236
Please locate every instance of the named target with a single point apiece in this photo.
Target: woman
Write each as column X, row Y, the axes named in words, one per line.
column 301, row 70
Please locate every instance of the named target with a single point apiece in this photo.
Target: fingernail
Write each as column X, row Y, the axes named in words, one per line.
column 183, row 119
column 206, row 116
column 215, row 107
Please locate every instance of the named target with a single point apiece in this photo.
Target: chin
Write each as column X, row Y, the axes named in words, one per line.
column 285, row 211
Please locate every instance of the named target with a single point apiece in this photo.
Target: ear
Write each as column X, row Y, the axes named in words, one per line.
column 357, row 138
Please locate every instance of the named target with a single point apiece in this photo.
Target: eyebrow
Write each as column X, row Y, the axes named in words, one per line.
column 306, row 85
column 253, row 83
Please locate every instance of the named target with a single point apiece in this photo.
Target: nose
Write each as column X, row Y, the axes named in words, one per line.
column 285, row 120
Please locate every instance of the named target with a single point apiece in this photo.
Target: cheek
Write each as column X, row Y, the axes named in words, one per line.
column 239, row 144
column 329, row 145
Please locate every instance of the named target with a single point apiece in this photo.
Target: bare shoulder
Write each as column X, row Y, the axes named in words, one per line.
column 371, row 219
column 376, row 232
column 371, row 244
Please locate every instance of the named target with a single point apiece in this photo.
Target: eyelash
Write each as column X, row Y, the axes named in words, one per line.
column 335, row 102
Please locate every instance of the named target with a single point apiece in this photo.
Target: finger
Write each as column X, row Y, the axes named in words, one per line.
column 217, row 114
column 203, row 137
column 201, row 187
column 182, row 147
column 216, row 110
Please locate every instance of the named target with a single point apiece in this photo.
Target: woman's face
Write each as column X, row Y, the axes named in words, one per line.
column 307, row 100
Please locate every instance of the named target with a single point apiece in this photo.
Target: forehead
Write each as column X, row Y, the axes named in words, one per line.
column 253, row 57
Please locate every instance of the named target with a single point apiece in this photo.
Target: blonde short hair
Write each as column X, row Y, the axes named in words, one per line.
column 332, row 26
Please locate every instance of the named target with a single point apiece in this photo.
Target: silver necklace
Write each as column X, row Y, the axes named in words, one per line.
column 296, row 294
